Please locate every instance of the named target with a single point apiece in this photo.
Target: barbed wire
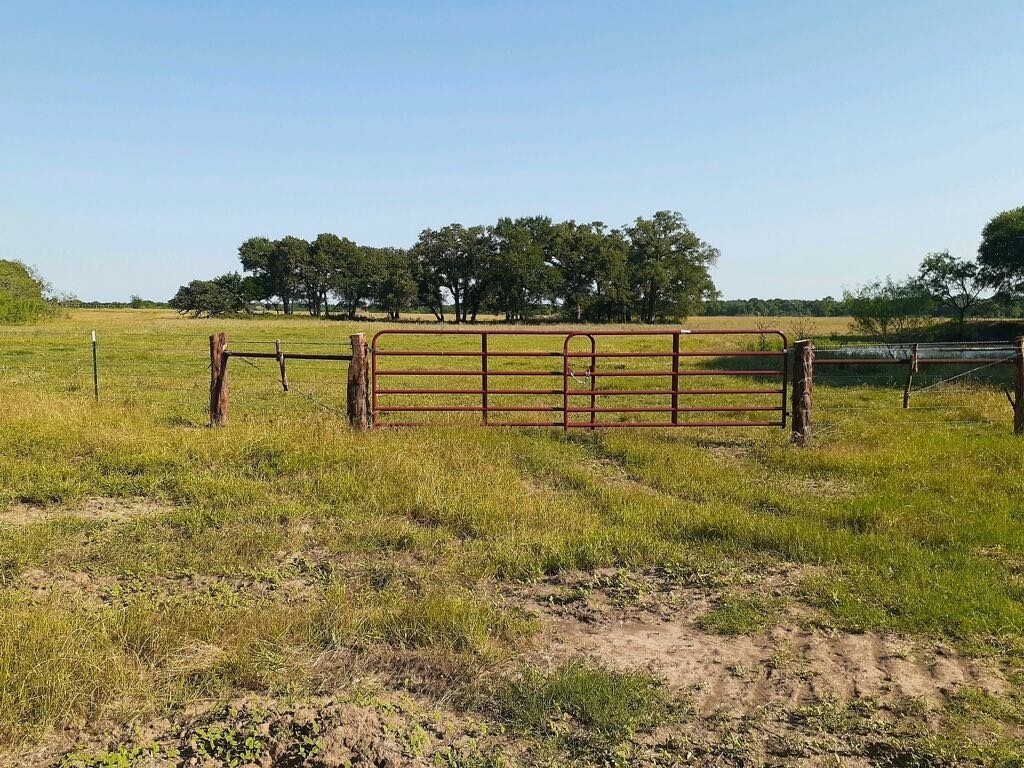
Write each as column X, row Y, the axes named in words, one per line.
column 292, row 388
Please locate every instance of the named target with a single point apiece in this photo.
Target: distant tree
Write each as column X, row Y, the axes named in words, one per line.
column 519, row 277
column 393, row 285
column 315, row 272
column 572, row 264
column 136, row 301
column 885, row 309
column 351, row 278
column 228, row 294
column 1001, row 253
column 956, row 284
column 331, row 260
column 455, row 259
column 292, row 256
column 608, row 255
column 669, row 267
column 276, row 266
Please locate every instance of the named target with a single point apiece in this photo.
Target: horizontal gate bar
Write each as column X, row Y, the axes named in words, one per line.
column 716, row 372
column 469, row 373
column 469, row 408
column 615, row 424
column 680, row 409
column 525, row 424
column 383, row 353
column 572, row 392
column 560, row 373
column 469, row 391
column 674, row 354
column 489, row 423
column 597, row 425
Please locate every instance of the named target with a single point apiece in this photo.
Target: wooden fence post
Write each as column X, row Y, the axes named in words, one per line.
column 359, row 384
column 1018, row 388
column 803, row 384
column 910, row 376
column 218, row 380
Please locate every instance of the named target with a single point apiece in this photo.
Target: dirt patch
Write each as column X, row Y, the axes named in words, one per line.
column 653, row 622
column 779, row 692
column 96, row 508
column 385, row 730
column 785, row 666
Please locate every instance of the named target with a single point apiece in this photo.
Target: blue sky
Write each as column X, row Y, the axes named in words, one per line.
column 817, row 145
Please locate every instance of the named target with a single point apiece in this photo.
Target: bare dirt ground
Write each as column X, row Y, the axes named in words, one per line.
column 793, row 692
column 98, row 508
column 787, row 663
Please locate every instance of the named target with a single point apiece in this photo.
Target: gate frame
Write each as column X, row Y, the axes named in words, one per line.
column 485, row 372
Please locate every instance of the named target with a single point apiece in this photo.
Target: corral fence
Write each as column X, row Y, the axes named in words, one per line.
column 575, row 382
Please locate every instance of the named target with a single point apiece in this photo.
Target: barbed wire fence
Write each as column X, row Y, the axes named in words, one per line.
column 851, row 384
column 922, row 377
column 162, row 370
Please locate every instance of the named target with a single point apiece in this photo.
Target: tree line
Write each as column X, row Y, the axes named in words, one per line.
column 653, row 269
column 992, row 283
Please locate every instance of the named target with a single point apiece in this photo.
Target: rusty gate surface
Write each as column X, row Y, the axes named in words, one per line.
column 574, row 376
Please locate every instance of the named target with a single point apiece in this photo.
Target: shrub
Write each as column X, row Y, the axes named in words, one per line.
column 228, row 294
column 885, row 308
column 22, row 294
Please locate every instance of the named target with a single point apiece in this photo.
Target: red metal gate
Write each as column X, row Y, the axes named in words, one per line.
column 570, row 384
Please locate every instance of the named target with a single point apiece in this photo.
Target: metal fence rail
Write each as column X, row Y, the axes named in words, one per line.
column 588, row 378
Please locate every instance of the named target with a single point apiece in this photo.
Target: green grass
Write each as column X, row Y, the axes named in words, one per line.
column 397, row 539
column 740, row 615
column 585, row 704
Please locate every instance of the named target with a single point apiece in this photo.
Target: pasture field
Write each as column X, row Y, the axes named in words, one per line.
column 283, row 591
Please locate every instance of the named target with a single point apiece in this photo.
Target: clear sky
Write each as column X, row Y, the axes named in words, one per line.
column 817, row 145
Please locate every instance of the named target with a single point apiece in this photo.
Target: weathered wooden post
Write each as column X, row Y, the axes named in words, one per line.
column 280, row 362
column 218, row 380
column 910, row 376
column 359, row 384
column 803, row 384
column 1018, row 388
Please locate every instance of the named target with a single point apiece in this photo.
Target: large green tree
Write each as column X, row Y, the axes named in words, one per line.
column 275, row 265
column 669, row 267
column 351, row 279
column 455, row 259
column 331, row 261
column 956, row 284
column 592, row 272
column 520, row 277
column 393, row 285
column 1001, row 253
